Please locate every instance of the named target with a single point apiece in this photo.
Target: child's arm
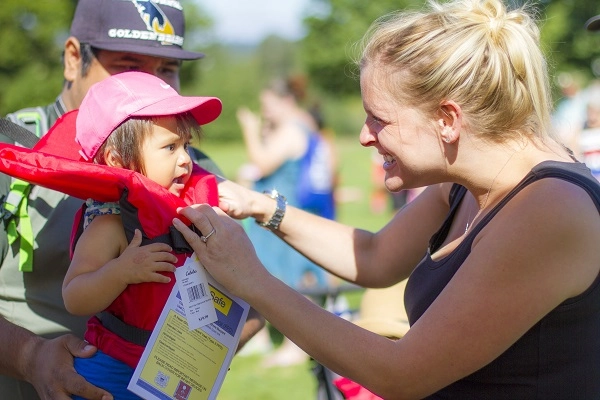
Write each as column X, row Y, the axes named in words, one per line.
column 103, row 265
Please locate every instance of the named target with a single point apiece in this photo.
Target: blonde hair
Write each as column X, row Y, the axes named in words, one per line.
column 475, row 52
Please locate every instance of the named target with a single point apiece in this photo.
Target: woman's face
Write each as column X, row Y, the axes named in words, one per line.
column 403, row 135
column 273, row 107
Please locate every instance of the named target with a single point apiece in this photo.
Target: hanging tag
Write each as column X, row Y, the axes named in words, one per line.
column 195, row 293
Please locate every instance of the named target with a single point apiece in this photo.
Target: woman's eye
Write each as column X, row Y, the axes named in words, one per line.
column 375, row 123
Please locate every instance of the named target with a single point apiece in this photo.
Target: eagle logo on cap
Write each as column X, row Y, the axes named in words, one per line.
column 154, row 18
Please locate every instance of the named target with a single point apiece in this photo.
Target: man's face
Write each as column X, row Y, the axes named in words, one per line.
column 108, row 63
column 114, row 62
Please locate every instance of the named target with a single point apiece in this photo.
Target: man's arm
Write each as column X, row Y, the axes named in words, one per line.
column 46, row 363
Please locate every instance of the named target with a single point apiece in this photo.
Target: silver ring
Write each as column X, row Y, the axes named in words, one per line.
column 205, row 238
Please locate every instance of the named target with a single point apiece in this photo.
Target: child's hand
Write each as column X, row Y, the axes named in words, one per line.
column 144, row 263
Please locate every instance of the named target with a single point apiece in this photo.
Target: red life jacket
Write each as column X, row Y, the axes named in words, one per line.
column 54, row 162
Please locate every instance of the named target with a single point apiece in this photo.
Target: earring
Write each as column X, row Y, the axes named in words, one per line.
column 447, row 134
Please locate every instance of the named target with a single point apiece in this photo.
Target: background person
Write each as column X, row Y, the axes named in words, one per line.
column 33, row 344
column 587, row 146
column 276, row 141
column 501, row 247
column 568, row 117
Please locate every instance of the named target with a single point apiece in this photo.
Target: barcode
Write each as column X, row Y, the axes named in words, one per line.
column 196, row 292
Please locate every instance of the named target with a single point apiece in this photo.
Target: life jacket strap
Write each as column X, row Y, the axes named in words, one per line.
column 122, row 329
column 131, row 222
column 18, row 223
column 24, row 127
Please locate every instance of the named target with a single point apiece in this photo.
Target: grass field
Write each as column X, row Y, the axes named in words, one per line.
column 247, row 380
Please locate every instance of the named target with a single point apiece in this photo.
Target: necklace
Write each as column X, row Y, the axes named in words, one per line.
column 487, row 195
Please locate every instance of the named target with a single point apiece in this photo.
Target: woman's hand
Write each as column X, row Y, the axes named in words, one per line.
column 227, row 254
column 237, row 201
column 250, row 123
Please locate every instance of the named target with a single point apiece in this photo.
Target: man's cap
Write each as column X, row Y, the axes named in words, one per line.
column 119, row 97
column 153, row 28
column 593, row 24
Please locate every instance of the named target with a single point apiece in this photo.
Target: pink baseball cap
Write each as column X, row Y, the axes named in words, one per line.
column 119, row 97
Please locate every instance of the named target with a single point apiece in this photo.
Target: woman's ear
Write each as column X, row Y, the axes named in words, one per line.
column 450, row 121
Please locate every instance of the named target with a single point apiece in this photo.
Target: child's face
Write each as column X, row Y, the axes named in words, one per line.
column 165, row 157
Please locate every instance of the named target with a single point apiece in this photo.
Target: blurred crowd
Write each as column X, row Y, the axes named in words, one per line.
column 576, row 119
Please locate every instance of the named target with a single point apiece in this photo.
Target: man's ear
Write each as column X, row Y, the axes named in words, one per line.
column 449, row 121
column 71, row 59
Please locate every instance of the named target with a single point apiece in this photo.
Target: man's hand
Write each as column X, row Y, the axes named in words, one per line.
column 50, row 369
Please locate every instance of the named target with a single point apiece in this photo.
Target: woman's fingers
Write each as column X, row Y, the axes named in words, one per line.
column 197, row 214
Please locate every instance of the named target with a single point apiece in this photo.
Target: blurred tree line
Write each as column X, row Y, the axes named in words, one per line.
column 33, row 34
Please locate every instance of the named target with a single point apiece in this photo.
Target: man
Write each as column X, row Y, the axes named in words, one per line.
column 107, row 37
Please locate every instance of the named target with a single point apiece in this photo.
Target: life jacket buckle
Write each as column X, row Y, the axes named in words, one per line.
column 5, row 214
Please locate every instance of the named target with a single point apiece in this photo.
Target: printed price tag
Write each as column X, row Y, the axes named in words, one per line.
column 195, row 293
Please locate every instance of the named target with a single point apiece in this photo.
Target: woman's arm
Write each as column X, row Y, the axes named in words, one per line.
column 269, row 151
column 103, row 265
column 540, row 250
column 345, row 251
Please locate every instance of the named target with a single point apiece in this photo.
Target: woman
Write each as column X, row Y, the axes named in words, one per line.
column 276, row 142
column 501, row 248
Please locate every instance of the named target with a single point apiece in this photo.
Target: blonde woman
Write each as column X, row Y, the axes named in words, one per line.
column 502, row 249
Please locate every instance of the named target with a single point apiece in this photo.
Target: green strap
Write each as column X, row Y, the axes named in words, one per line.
column 14, row 209
column 16, row 204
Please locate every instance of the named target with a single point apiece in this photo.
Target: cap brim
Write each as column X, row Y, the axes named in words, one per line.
column 204, row 109
column 171, row 51
column 593, row 24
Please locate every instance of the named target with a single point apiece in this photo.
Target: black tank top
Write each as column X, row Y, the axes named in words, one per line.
column 559, row 357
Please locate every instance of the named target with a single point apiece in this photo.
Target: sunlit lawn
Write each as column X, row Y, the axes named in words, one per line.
column 247, row 380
